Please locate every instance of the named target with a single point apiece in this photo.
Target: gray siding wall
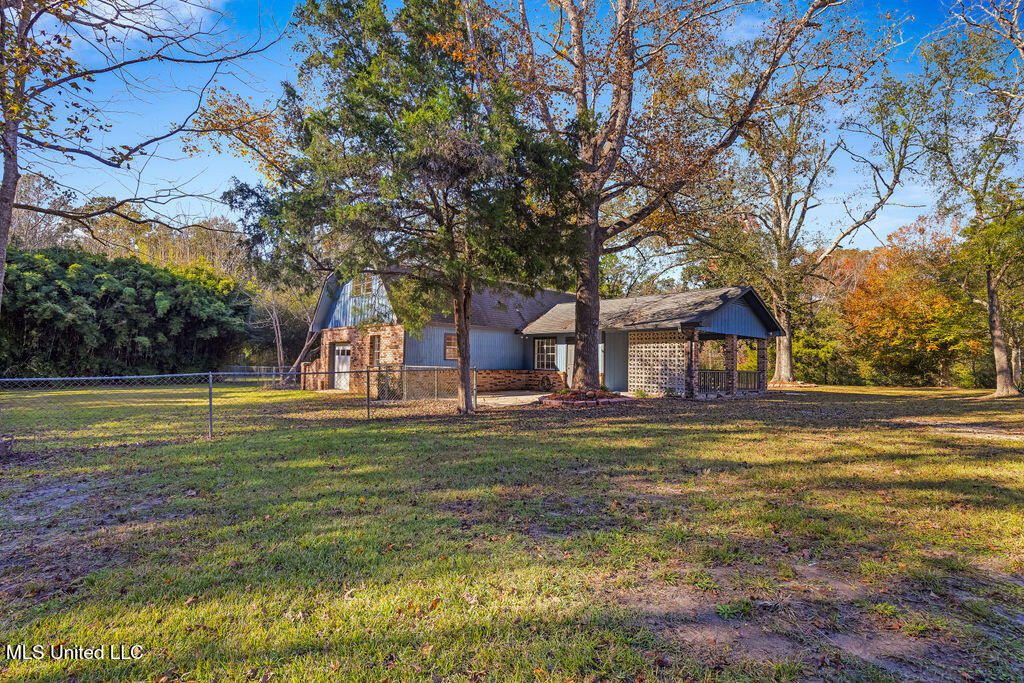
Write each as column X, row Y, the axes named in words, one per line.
column 489, row 349
column 736, row 318
column 616, row 360
column 347, row 310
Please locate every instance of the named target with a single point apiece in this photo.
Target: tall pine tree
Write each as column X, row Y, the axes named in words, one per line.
column 410, row 158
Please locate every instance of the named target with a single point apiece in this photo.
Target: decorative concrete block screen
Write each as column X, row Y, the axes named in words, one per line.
column 657, row 361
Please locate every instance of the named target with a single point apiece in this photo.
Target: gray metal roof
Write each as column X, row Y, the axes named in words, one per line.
column 508, row 309
column 656, row 311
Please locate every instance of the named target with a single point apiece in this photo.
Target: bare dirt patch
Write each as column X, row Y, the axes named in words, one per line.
column 820, row 617
column 689, row 616
column 56, row 530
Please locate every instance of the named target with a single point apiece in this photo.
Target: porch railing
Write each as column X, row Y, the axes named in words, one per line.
column 747, row 380
column 717, row 381
column 712, row 381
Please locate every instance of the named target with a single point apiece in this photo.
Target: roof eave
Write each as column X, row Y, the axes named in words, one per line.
column 761, row 309
column 319, row 312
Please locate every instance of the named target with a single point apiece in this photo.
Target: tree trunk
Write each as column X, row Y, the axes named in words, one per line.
column 586, row 373
column 311, row 336
column 1004, row 375
column 463, row 296
column 275, row 320
column 784, row 351
column 1016, row 365
column 944, row 371
column 8, row 193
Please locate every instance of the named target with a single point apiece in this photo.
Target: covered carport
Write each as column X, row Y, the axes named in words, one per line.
column 653, row 343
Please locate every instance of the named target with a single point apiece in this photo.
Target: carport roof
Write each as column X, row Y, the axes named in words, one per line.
column 657, row 311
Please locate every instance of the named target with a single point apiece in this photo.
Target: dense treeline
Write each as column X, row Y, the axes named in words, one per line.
column 446, row 138
column 278, row 309
column 905, row 313
column 70, row 312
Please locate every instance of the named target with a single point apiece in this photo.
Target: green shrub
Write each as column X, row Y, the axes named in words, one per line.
column 70, row 312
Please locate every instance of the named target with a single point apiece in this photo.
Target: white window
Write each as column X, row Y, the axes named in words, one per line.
column 451, row 347
column 362, row 285
column 544, row 350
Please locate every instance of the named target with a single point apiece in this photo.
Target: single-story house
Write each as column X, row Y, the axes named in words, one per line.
column 649, row 343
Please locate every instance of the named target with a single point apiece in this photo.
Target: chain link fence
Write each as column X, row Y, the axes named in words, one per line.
column 81, row 412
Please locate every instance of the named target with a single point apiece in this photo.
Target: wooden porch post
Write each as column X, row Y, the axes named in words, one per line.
column 732, row 378
column 762, row 365
column 692, row 363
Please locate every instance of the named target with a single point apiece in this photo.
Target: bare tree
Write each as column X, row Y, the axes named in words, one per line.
column 791, row 153
column 36, row 230
column 55, row 59
column 614, row 85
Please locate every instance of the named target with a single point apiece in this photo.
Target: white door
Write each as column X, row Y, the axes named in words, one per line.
column 570, row 359
column 342, row 362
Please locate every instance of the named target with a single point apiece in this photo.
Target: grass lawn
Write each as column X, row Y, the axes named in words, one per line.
column 851, row 533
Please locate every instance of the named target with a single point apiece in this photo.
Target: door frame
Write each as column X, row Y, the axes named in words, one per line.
column 335, row 373
column 570, row 359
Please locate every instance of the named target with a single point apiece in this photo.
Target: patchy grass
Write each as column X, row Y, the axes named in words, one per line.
column 735, row 609
column 859, row 534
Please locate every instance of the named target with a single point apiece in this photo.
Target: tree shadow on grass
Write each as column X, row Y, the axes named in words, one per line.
column 543, row 500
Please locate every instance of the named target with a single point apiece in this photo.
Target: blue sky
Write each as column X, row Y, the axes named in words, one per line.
column 261, row 77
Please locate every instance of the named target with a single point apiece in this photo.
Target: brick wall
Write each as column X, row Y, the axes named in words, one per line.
column 692, row 363
column 762, row 364
column 732, row 376
column 392, row 352
column 513, row 380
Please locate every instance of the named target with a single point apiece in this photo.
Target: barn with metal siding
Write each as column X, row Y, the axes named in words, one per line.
column 338, row 307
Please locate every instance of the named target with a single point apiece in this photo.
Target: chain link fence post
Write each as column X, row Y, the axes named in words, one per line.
column 210, row 397
column 367, row 393
column 474, row 389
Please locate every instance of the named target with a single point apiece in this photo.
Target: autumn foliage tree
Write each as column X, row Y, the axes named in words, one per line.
column 904, row 314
